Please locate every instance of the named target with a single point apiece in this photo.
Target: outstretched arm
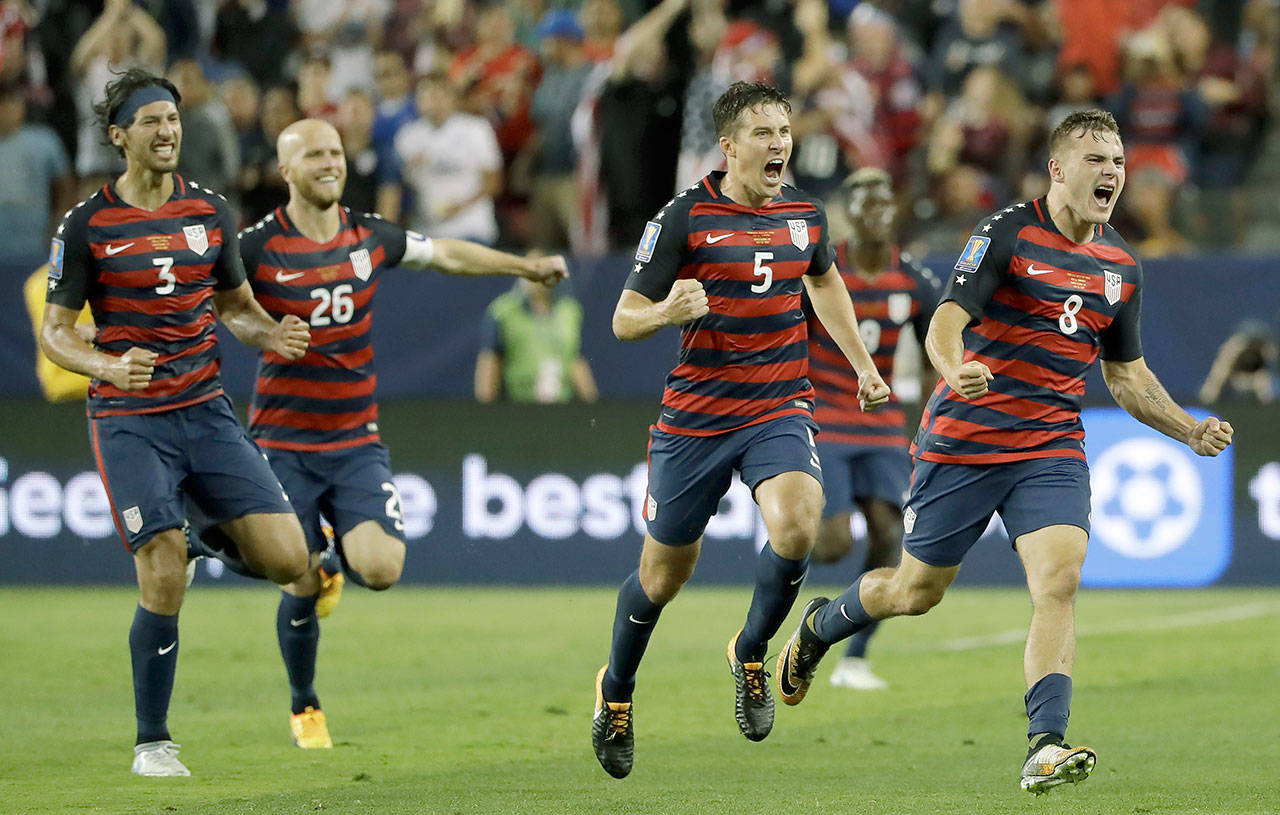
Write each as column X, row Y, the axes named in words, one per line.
column 252, row 325
column 1137, row 390
column 831, row 302
column 459, row 257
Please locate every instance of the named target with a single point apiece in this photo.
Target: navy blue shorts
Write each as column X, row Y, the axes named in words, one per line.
column 155, row 466
column 852, row 471
column 347, row 487
column 951, row 504
column 688, row 475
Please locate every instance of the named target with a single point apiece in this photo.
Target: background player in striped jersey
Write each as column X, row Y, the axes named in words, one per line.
column 725, row 260
column 155, row 256
column 864, row 455
column 1041, row 290
column 316, row 416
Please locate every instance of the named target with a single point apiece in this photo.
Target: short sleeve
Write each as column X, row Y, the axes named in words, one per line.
column 391, row 236
column 1122, row 341
column 490, row 333
column 823, row 255
column 660, row 255
column 228, row 269
column 981, row 267
column 71, row 264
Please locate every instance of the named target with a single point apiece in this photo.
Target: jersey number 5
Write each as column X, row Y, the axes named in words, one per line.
column 763, row 271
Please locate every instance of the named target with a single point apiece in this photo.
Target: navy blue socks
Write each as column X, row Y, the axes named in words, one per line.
column 777, row 585
column 633, row 623
column 1049, row 705
column 153, row 646
column 858, row 642
column 299, row 633
column 842, row 617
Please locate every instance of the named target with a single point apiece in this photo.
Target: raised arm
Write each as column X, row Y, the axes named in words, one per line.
column 253, row 326
column 1138, row 391
column 461, row 257
column 831, row 302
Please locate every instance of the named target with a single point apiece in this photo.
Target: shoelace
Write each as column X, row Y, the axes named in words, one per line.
column 619, row 722
column 755, row 682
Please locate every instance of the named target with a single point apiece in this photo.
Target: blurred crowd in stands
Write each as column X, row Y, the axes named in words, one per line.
column 539, row 125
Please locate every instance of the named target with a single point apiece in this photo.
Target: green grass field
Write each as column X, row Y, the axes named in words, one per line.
column 466, row 700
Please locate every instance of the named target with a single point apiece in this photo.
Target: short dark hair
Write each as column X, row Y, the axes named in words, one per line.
column 1082, row 122
column 744, row 96
column 118, row 92
column 867, row 177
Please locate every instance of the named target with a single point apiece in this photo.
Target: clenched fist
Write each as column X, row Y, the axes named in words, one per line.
column 290, row 338
column 970, row 379
column 872, row 391
column 131, row 371
column 1210, row 437
column 687, row 301
column 548, row 270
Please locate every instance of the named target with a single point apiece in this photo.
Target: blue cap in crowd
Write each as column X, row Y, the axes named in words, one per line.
column 559, row 22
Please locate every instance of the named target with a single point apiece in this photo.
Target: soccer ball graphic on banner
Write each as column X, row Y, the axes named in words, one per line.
column 1147, row 497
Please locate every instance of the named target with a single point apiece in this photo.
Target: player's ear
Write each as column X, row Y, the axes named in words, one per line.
column 116, row 134
column 1055, row 170
column 726, row 146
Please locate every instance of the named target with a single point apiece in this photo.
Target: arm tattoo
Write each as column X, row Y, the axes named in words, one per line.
column 1156, row 395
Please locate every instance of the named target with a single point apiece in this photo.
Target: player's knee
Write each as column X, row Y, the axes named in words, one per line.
column 285, row 565
column 663, row 584
column 383, row 572
column 919, row 599
column 1058, row 588
column 832, row 542
column 792, row 536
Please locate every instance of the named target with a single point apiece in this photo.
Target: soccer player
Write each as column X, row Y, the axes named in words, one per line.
column 315, row 416
column 1041, row 290
column 864, row 455
column 156, row 257
column 725, row 260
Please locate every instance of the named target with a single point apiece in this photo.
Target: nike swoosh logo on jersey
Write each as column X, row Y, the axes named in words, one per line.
column 1034, row 270
column 717, row 238
column 115, row 250
column 281, row 277
column 167, row 649
column 296, row 623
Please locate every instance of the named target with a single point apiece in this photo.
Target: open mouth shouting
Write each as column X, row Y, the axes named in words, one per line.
column 773, row 171
column 1103, row 193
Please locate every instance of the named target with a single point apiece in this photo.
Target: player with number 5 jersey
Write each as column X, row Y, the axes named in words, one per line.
column 316, row 417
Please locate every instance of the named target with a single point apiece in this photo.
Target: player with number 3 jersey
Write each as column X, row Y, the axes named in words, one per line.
column 1040, row 291
column 316, row 417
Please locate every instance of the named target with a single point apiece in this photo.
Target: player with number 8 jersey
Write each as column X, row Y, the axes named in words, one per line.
column 316, row 417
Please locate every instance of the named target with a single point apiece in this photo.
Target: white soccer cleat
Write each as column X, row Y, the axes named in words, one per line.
column 158, row 759
column 855, row 672
column 1055, row 764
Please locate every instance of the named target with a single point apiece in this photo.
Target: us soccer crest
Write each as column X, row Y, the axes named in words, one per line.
column 197, row 238
column 361, row 263
column 1114, row 286
column 799, row 233
column 899, row 307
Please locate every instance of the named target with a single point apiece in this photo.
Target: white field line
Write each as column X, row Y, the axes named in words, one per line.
column 1186, row 619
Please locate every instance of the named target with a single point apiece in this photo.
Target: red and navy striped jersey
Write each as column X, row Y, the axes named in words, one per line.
column 149, row 278
column 1043, row 309
column 904, row 293
column 323, row 401
column 747, row 360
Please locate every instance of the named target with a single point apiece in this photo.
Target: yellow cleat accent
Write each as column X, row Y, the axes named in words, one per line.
column 330, row 593
column 309, row 729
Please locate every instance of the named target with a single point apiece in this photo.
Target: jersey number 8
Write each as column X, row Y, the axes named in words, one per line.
column 1067, row 321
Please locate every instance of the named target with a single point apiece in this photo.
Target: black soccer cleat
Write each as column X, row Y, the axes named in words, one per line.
column 612, row 733
column 800, row 656
column 753, row 703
